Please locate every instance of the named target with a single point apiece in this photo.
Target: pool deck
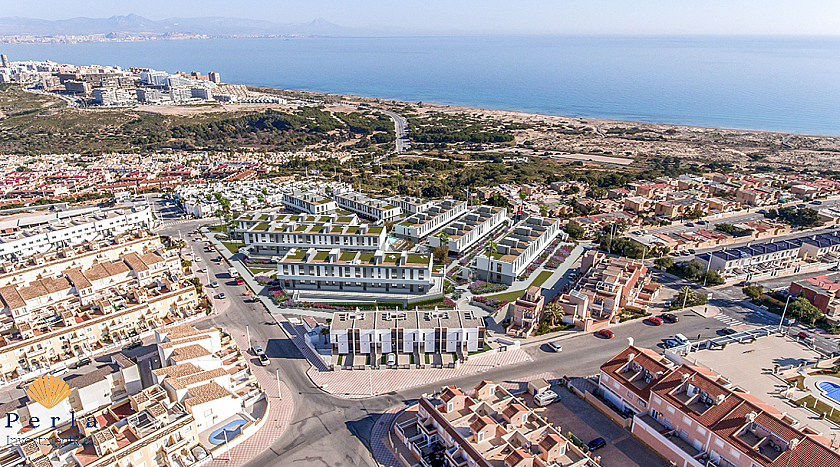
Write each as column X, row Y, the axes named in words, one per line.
column 204, row 436
column 812, row 383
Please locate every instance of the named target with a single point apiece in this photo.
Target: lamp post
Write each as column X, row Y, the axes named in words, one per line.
column 783, row 312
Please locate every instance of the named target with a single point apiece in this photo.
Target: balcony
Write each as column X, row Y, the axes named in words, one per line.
column 456, row 460
column 669, row 438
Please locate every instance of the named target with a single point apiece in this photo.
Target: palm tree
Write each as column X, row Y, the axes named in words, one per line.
column 552, row 311
column 491, row 249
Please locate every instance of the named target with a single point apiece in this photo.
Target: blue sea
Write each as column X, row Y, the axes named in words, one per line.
column 765, row 83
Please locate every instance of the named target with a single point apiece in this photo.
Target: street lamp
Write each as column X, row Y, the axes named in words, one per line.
column 783, row 312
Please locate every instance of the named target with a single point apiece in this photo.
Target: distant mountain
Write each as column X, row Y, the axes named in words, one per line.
column 135, row 24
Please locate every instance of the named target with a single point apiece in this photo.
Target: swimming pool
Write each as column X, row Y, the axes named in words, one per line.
column 227, row 432
column 831, row 390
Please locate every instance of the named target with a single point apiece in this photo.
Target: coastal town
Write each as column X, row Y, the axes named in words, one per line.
column 437, row 295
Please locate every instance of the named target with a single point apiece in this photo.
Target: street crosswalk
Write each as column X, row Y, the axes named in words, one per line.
column 171, row 223
column 729, row 320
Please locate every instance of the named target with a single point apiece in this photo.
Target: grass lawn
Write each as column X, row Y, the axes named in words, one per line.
column 542, row 277
column 512, row 296
column 821, row 407
column 214, row 228
column 485, row 349
column 261, row 270
column 233, row 246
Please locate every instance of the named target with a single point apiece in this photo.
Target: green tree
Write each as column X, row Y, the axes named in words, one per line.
column 575, row 230
column 804, row 311
column 665, row 262
column 753, row 291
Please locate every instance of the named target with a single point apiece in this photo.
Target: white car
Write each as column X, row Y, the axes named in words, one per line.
column 555, row 346
column 546, row 397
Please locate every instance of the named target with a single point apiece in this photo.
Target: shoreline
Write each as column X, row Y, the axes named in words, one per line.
column 369, row 99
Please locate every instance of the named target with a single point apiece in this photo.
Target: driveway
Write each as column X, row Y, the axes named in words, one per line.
column 573, row 414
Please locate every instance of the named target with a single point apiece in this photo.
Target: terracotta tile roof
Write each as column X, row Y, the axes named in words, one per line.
column 206, row 393
column 189, row 380
column 189, row 352
column 177, row 371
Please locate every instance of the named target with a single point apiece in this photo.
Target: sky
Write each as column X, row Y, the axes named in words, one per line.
column 774, row 17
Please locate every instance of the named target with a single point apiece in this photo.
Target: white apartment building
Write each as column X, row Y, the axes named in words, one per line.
column 469, row 229
column 275, row 238
column 21, row 243
column 355, row 271
column 411, row 205
column 367, row 207
column 406, row 332
column 516, row 250
column 420, row 225
column 308, row 202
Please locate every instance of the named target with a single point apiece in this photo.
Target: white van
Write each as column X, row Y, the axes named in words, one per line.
column 391, row 359
column 546, row 397
column 681, row 339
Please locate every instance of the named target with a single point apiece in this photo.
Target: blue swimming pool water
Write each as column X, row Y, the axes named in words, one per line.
column 832, row 390
column 233, row 430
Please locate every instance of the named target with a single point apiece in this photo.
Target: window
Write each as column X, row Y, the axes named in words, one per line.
column 208, row 412
column 449, row 406
column 670, row 409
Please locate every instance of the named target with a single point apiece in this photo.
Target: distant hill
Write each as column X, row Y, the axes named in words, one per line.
column 135, row 24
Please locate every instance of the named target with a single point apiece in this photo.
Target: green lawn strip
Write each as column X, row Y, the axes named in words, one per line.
column 821, row 407
column 262, row 270
column 540, row 280
column 233, row 246
column 512, row 296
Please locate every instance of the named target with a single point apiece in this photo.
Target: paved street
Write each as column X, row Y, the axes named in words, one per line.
column 327, row 430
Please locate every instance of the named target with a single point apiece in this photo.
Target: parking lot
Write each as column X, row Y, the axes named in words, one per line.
column 575, row 415
column 750, row 366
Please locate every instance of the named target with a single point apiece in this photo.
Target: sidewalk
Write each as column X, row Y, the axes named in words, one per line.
column 277, row 418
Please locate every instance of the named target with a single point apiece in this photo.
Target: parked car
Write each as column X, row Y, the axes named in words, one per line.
column 391, row 359
column 690, row 224
column 546, row 397
column 555, row 346
column 257, row 349
column 605, row 333
column 59, row 370
column 240, row 280
column 702, row 222
column 133, row 344
column 656, row 321
column 670, row 317
column 596, row 444
column 685, row 253
column 681, row 339
column 670, row 343
column 816, row 202
column 81, row 362
column 264, row 360
column 692, row 251
column 728, row 331
column 214, row 284
column 222, row 295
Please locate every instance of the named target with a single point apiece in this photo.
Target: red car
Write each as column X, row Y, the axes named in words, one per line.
column 656, row 320
column 605, row 333
column 805, row 335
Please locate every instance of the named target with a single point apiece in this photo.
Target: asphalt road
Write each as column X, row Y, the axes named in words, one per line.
column 327, row 430
column 401, row 126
